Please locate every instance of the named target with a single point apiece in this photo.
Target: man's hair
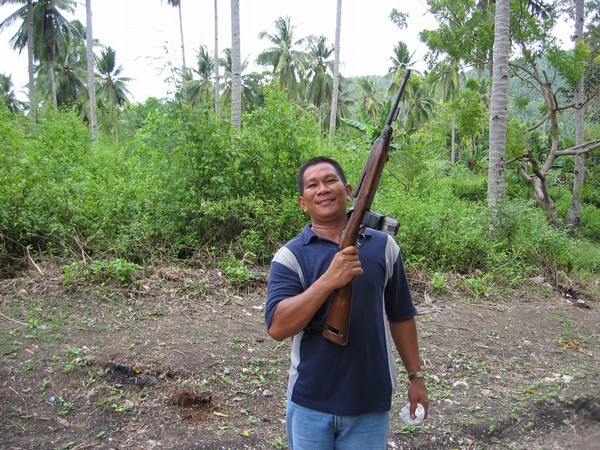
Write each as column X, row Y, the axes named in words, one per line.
column 314, row 162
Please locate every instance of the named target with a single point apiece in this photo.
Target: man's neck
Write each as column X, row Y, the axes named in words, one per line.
column 333, row 232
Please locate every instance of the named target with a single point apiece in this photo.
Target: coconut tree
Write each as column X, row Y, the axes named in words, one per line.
column 402, row 60
column 573, row 214
column 28, row 23
column 336, row 70
column 111, row 89
column 447, row 77
column 177, row 4
column 216, row 58
column 251, row 83
column 319, row 73
column 89, row 35
column 287, row 63
column 199, row 90
column 369, row 104
column 50, row 31
column 499, row 112
column 236, row 66
column 419, row 103
column 70, row 73
column 8, row 95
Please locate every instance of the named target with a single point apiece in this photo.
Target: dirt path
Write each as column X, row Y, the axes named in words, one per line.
column 183, row 361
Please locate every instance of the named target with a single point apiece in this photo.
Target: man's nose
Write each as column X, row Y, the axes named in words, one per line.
column 323, row 187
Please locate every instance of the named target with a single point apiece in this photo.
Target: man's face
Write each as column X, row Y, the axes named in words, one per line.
column 325, row 195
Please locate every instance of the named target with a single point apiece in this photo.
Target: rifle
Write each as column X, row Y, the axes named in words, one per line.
column 337, row 323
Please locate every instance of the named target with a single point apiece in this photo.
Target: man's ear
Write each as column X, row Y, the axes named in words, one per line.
column 301, row 203
column 348, row 192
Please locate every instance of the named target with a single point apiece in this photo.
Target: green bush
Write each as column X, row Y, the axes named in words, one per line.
column 467, row 185
column 40, row 179
column 443, row 234
column 531, row 242
column 587, row 257
column 590, row 222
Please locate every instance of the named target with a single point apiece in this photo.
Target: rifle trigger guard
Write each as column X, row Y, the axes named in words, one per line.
column 361, row 238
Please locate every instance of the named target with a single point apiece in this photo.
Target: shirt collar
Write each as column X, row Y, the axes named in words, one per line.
column 308, row 235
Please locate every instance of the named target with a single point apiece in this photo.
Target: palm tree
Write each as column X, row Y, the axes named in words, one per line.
column 7, row 93
column 573, row 214
column 216, row 58
column 369, row 104
column 236, row 66
column 177, row 4
column 251, row 83
column 70, row 73
column 447, row 76
column 89, row 35
column 319, row 89
column 287, row 62
column 419, row 103
column 336, row 71
column 111, row 88
column 499, row 112
column 402, row 59
column 199, row 90
column 50, row 30
column 28, row 23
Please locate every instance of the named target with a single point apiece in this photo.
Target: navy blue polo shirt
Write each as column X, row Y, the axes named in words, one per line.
column 357, row 378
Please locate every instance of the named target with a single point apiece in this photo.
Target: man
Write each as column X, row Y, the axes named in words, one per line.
column 340, row 396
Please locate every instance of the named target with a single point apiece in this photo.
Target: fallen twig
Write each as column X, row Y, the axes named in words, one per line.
column 14, row 320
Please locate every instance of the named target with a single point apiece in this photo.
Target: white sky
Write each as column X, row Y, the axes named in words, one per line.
column 145, row 34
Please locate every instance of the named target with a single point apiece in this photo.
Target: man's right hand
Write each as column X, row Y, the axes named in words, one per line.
column 344, row 267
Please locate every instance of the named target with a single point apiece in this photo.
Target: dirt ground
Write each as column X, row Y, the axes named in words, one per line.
column 182, row 361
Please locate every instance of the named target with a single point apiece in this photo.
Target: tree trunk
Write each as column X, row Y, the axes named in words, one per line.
column 90, row 69
column 217, row 77
column 540, row 189
column 181, row 33
column 236, row 63
column 336, row 71
column 52, row 81
column 32, row 100
column 498, row 112
column 574, row 212
column 453, row 143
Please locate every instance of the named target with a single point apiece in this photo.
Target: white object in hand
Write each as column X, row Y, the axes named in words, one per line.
column 419, row 413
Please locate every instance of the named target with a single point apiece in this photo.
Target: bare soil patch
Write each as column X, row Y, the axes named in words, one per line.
column 183, row 361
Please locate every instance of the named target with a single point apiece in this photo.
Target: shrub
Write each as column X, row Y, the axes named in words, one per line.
column 590, row 222
column 467, row 185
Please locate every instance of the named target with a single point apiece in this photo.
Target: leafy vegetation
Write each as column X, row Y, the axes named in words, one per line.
column 186, row 187
column 172, row 179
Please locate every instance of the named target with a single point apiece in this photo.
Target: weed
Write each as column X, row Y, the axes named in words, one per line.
column 237, row 343
column 73, row 352
column 279, row 442
column 66, row 407
column 21, row 415
column 103, row 271
column 438, row 282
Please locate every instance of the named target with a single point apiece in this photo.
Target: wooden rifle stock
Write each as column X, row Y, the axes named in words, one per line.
column 337, row 324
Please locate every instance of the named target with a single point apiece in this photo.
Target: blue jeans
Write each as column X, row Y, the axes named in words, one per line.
column 308, row 429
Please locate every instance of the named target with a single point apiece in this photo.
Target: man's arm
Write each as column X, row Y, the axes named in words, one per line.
column 293, row 314
column 405, row 338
